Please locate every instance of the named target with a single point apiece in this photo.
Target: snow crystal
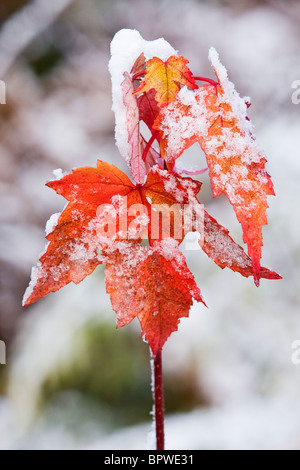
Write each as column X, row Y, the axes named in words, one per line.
column 52, row 223
column 37, row 272
column 168, row 248
column 126, row 46
column 138, row 227
column 82, row 253
column 172, row 186
column 215, row 61
column 187, row 96
column 59, row 173
column 179, row 125
column 35, row 275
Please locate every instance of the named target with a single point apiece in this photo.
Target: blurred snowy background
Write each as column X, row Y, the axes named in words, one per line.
column 71, row 380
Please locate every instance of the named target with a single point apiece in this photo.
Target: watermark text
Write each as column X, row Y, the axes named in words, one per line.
column 296, row 354
column 124, row 221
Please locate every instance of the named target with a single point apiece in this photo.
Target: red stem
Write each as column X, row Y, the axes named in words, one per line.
column 208, row 80
column 137, row 75
column 159, row 403
column 148, row 146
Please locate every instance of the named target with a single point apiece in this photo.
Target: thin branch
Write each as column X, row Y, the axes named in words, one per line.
column 159, row 403
column 148, row 146
column 208, row 80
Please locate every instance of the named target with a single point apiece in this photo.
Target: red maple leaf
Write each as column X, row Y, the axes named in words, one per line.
column 215, row 241
column 215, row 116
column 104, row 206
column 152, row 284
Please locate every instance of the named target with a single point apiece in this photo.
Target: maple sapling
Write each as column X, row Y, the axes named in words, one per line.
column 108, row 215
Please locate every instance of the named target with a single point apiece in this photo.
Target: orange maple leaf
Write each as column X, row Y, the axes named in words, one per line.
column 71, row 253
column 80, row 231
column 176, row 191
column 166, row 78
column 215, row 116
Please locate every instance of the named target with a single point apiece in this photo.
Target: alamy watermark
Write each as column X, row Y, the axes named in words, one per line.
column 295, row 358
column 121, row 220
column 296, row 93
column 2, row 353
column 2, row 92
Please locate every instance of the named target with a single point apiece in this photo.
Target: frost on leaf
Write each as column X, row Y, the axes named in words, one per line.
column 215, row 241
column 71, row 253
column 152, row 284
column 104, row 207
column 215, row 116
column 225, row 252
column 174, row 206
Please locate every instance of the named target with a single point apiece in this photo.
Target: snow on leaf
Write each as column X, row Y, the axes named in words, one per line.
column 126, row 48
column 225, row 252
column 154, row 285
column 214, row 239
column 104, row 207
column 71, row 253
column 70, row 256
column 173, row 198
column 216, row 117
column 166, row 78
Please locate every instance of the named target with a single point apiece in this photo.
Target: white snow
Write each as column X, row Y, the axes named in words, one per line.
column 52, row 223
column 180, row 124
column 35, row 275
column 168, row 248
column 232, row 97
column 59, row 173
